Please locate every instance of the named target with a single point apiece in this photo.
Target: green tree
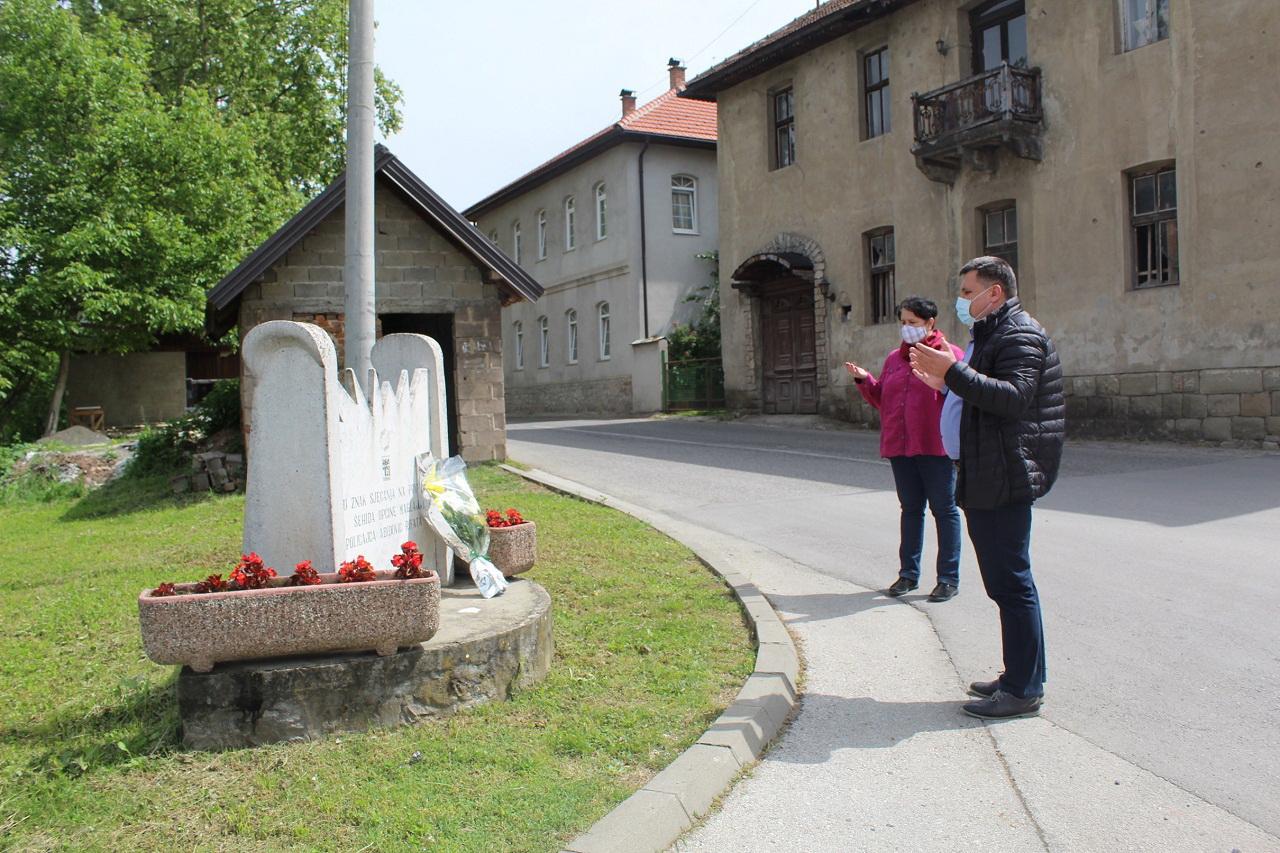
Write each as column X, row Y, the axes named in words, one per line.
column 701, row 338
column 138, row 164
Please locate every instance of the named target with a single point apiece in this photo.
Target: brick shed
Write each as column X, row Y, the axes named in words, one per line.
column 435, row 275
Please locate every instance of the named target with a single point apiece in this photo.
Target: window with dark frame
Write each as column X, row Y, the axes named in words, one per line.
column 875, row 88
column 1153, row 211
column 882, row 257
column 784, row 128
column 999, row 33
column 1000, row 233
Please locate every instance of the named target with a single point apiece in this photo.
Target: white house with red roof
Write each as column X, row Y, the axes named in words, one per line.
column 612, row 229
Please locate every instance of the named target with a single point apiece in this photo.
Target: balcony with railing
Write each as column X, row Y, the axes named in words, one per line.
column 969, row 121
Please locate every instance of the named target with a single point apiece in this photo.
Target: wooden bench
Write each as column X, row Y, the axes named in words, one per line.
column 91, row 416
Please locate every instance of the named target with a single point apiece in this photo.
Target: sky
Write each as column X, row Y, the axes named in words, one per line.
column 493, row 89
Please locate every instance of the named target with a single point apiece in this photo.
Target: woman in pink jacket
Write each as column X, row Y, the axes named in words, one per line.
column 911, row 441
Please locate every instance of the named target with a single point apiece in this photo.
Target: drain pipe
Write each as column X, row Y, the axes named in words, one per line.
column 644, row 260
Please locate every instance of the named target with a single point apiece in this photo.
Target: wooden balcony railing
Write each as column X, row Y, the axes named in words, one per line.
column 1000, row 107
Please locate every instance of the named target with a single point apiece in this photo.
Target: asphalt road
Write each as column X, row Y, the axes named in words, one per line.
column 1158, row 568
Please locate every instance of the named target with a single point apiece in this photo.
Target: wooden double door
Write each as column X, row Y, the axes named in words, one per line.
column 790, row 348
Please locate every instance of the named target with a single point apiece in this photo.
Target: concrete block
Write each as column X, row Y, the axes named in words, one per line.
column 697, row 777
column 1271, row 378
column 772, row 632
column 1108, row 386
column 1223, row 405
column 745, row 729
column 772, row 692
column 1084, row 386
column 1145, row 408
column 1195, row 406
column 1275, row 402
column 1099, row 407
column 1120, row 407
column 1255, row 405
column 1138, row 384
column 180, row 484
column 780, row 659
column 646, row 822
column 1077, row 408
column 1188, row 428
column 1171, row 405
column 1216, row 429
column 1187, row 382
column 1249, row 429
column 1236, row 380
column 200, row 482
column 1273, row 425
column 325, row 274
column 1164, row 383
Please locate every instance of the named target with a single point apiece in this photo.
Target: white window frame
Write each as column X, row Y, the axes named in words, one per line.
column 515, row 241
column 570, row 222
column 542, row 235
column 1145, row 29
column 519, row 329
column 544, row 342
column 571, row 327
column 602, row 211
column 686, row 185
column 603, row 326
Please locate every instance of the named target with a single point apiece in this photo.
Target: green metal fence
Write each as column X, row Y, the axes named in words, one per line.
column 697, row 383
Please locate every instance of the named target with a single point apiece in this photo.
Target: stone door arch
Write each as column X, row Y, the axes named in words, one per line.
column 783, row 283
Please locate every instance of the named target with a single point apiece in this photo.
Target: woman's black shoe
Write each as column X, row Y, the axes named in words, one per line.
column 900, row 586
column 943, row 592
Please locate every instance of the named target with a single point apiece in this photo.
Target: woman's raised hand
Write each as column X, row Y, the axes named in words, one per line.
column 856, row 372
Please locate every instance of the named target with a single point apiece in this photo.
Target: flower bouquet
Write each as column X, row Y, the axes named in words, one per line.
column 451, row 508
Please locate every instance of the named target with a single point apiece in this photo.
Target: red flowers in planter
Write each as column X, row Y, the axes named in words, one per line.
column 304, row 574
column 408, row 562
column 213, row 583
column 251, row 573
column 493, row 518
column 164, row 589
column 356, row 571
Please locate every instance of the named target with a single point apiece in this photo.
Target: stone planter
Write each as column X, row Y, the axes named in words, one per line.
column 279, row 621
column 513, row 549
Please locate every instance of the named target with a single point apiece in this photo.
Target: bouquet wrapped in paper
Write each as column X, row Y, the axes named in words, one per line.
column 451, row 508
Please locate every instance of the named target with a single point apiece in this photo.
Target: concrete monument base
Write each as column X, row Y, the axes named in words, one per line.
column 483, row 650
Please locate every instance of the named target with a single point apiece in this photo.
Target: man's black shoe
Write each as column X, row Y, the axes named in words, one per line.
column 943, row 592
column 900, row 586
column 1003, row 706
column 984, row 689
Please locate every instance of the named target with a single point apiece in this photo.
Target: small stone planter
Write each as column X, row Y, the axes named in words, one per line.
column 513, row 549
column 200, row 630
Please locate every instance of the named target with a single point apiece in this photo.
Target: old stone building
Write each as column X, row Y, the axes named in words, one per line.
column 612, row 228
column 435, row 275
column 1122, row 154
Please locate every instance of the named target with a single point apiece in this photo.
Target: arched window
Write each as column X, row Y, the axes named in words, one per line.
column 515, row 240
column 519, row 328
column 542, row 234
column 571, row 322
column 544, row 342
column 684, row 204
column 602, row 224
column 570, row 221
column 602, row 312
column 493, row 236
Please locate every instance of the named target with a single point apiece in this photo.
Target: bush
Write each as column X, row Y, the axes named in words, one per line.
column 167, row 448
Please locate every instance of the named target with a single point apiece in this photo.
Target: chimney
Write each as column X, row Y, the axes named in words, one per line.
column 628, row 102
column 676, row 70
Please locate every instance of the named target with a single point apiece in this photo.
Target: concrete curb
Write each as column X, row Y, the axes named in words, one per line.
column 652, row 818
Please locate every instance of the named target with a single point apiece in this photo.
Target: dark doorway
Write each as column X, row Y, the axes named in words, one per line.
column 790, row 351
column 999, row 34
column 438, row 327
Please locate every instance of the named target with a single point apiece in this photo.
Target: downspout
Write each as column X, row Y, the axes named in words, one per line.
column 644, row 260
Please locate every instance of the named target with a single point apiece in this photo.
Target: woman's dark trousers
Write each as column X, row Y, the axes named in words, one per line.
column 932, row 480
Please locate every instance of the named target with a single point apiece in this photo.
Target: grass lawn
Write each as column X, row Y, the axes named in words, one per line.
column 649, row 648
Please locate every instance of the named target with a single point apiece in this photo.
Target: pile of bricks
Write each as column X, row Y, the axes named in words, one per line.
column 219, row 472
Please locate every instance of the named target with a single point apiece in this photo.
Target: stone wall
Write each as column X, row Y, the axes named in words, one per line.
column 1224, row 405
column 418, row 271
column 606, row 397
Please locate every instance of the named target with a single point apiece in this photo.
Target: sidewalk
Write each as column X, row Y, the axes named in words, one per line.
column 880, row 757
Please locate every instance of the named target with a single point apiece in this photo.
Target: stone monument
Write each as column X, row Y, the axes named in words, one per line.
column 332, row 470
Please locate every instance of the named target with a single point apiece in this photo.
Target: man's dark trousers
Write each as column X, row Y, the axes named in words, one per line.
column 1002, row 541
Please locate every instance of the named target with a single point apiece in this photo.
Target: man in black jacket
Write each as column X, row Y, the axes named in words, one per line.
column 1011, row 435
